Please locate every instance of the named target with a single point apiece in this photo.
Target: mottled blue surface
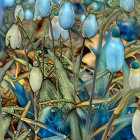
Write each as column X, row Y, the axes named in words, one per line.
column 128, row 30
column 79, row 8
column 125, row 134
column 22, row 96
column 96, row 7
column 56, row 123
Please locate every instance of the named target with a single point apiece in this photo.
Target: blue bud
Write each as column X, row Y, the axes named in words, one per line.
column 66, row 15
column 44, row 7
column 31, row 1
column 9, row 3
column 64, row 34
column 128, row 5
column 83, row 17
column 28, row 14
column 96, row 7
column 114, row 54
column 90, row 26
column 135, row 64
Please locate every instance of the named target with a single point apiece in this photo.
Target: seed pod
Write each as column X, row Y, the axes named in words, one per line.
column 36, row 78
column 90, row 26
column 136, row 124
column 66, row 16
column 13, row 37
column 44, row 7
column 128, row 5
column 19, row 12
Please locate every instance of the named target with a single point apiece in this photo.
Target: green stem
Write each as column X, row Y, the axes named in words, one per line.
column 72, row 48
column 104, row 27
column 43, row 45
column 1, row 121
column 61, row 47
column 52, row 35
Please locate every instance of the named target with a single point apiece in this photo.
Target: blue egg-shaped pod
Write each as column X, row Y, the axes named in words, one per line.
column 96, row 7
column 44, row 7
column 8, row 3
column 66, row 16
column 128, row 5
column 28, row 14
column 31, row 2
column 135, row 64
column 90, row 26
column 1, row 13
column 114, row 54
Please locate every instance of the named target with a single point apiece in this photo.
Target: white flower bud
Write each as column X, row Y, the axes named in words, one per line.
column 136, row 124
column 19, row 12
column 13, row 37
column 36, row 78
column 134, row 78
